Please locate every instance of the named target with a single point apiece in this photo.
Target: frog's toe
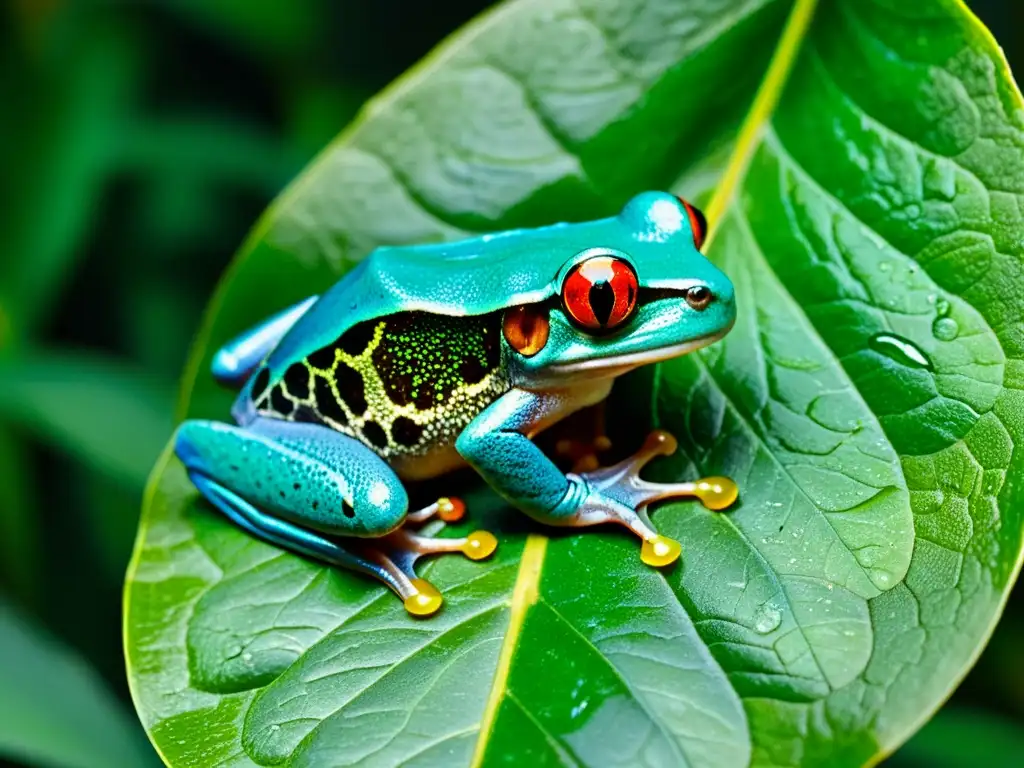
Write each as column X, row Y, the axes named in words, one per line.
column 476, row 546
column 659, row 551
column 716, row 493
column 479, row 545
column 448, row 509
column 424, row 599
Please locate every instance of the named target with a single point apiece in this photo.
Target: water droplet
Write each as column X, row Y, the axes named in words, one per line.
column 883, row 267
column 945, row 328
column 247, row 657
column 942, row 307
column 578, row 709
column 899, row 349
column 767, row 619
column 275, row 727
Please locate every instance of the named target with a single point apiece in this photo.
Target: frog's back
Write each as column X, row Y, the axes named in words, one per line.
column 475, row 276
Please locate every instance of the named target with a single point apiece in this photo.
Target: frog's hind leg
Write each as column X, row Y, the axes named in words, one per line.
column 294, row 537
column 321, row 494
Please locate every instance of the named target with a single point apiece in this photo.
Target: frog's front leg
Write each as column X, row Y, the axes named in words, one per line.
column 322, row 494
column 497, row 445
column 236, row 360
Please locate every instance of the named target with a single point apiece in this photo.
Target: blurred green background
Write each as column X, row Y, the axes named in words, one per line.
column 139, row 141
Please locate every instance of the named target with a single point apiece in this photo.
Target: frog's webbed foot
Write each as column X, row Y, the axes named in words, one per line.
column 398, row 551
column 617, row 494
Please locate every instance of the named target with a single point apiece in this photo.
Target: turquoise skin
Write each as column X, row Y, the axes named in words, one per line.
column 400, row 372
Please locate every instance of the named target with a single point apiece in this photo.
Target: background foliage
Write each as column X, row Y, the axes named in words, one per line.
column 140, row 144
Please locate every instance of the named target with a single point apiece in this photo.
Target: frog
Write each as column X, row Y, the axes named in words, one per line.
column 426, row 358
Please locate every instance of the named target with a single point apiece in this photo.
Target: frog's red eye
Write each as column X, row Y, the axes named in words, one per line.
column 600, row 293
column 698, row 224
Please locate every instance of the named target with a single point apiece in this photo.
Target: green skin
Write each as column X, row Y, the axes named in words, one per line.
column 401, row 372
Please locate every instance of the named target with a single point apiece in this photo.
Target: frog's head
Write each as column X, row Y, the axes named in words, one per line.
column 640, row 293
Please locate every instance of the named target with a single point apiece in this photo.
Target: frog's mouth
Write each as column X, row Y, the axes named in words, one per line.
column 616, row 365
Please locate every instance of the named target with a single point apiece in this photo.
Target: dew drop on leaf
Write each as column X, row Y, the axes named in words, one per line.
column 899, row 349
column 945, row 328
column 767, row 619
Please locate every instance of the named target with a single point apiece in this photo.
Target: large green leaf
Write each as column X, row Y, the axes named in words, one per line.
column 868, row 401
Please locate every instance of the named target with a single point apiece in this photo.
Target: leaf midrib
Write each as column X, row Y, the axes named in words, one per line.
column 524, row 594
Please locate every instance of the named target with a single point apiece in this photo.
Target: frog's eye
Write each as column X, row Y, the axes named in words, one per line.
column 599, row 294
column 698, row 224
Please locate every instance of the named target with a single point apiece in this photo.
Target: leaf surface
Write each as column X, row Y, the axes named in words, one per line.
column 863, row 173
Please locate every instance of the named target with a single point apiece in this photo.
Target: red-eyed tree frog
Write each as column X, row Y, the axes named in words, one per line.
column 425, row 358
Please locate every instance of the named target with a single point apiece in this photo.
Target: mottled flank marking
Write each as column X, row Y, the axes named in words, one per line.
column 405, row 431
column 327, row 403
column 402, row 384
column 296, row 380
column 351, row 389
column 357, row 338
column 374, row 432
column 323, row 359
column 259, row 386
column 306, row 414
column 279, row 401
